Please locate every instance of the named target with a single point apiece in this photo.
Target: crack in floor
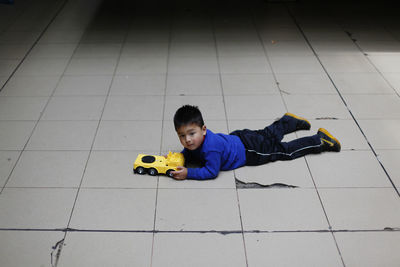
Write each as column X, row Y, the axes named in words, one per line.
column 253, row 185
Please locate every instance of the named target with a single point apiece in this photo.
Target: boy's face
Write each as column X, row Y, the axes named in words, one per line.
column 191, row 135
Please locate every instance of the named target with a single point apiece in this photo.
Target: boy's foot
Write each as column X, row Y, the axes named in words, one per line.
column 329, row 143
column 302, row 123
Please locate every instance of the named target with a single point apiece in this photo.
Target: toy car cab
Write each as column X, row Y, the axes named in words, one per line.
column 154, row 165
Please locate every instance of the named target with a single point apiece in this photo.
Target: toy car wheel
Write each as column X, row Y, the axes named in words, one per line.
column 152, row 172
column 140, row 170
column 169, row 174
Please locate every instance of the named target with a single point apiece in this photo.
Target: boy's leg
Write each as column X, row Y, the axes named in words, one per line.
column 287, row 124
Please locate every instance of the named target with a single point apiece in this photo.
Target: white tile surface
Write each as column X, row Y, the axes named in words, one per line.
column 347, row 63
column 369, row 248
column 38, row 255
column 281, row 209
column 21, row 108
column 374, row 106
column 141, row 84
column 305, row 83
column 390, row 159
column 249, row 84
column 183, row 250
column 361, row 83
column 7, row 162
column 295, row 64
column 15, row 134
column 142, row 65
column 193, row 84
column 244, row 65
column 301, row 249
column 43, row 66
column 30, row 86
column 91, row 66
column 35, row 208
column 382, row 133
column 114, row 209
column 361, row 208
column 112, row 249
column 197, row 209
column 83, row 85
column 193, row 65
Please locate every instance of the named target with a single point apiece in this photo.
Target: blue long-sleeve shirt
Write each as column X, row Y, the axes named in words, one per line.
column 218, row 152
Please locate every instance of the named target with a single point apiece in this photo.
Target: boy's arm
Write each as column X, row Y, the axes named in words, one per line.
column 209, row 171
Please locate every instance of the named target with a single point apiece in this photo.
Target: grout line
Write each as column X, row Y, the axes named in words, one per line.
column 342, row 98
column 229, row 130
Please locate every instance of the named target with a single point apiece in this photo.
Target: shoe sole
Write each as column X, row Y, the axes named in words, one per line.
column 297, row 117
column 330, row 136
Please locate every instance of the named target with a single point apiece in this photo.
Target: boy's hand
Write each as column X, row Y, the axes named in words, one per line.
column 180, row 174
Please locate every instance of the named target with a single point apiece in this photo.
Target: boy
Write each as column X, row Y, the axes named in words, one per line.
column 243, row 147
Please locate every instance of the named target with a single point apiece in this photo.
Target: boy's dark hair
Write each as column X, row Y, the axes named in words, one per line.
column 188, row 114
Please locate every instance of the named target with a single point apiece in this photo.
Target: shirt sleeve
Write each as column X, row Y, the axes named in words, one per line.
column 210, row 169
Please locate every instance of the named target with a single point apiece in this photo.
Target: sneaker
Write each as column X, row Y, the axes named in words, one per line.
column 329, row 143
column 302, row 123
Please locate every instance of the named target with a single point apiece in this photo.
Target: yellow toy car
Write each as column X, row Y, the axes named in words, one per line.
column 154, row 165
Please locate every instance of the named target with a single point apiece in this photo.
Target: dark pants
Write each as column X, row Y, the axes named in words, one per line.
column 265, row 145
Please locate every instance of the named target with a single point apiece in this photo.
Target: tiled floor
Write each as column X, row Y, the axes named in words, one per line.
column 87, row 85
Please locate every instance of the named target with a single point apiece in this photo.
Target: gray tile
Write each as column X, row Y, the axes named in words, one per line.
column 141, row 84
column 114, row 169
column 98, row 50
column 103, row 36
column 369, row 248
column 193, row 49
column 52, row 51
column 382, row 133
column 41, row 209
column 114, row 209
column 347, row 63
column 142, row 65
column 390, row 159
column 21, row 108
column 305, row 83
column 183, row 250
column 15, row 134
column 43, row 66
column 394, row 80
column 61, row 37
column 335, row 47
column 281, row 209
column 7, row 66
column 30, row 86
column 63, row 135
column 83, row 85
column 193, row 65
column 301, row 249
column 91, row 66
column 49, row 169
column 84, row 108
column 361, row 208
column 361, row 83
column 9, row 51
column 244, row 65
column 374, row 106
column 386, row 63
column 7, row 162
column 128, row 135
column 193, row 84
column 15, row 242
column 295, row 64
column 242, row 48
column 134, row 108
column 278, row 48
column 127, row 249
column 357, row 169
column 197, row 209
column 145, row 49
column 249, row 84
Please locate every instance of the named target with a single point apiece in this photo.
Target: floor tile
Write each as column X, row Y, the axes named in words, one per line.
column 361, row 208
column 193, row 84
column 361, row 83
column 369, row 248
column 346, row 131
column 390, row 159
column 294, row 173
column 193, row 49
column 103, row 36
column 114, row 169
column 386, row 63
column 301, row 249
column 128, row 135
column 114, row 209
column 12, row 51
column 98, row 50
column 249, row 84
column 134, row 108
column 15, row 134
column 7, row 66
column 317, row 106
column 142, row 65
column 211, row 107
column 244, row 65
column 295, row 64
column 197, row 209
column 394, row 80
column 242, row 48
column 382, row 133
column 148, row 35
column 30, row 86
column 43, row 66
column 143, row 84
column 52, row 51
column 36, row 208
column 281, row 209
column 374, row 106
column 85, row 108
column 83, row 85
column 111, row 249
column 145, row 49
column 335, row 47
column 91, row 66
column 17, row 249
column 288, row 48
column 279, row 32
column 49, row 169
column 347, row 63
column 268, row 107
column 21, row 108
column 183, row 250
column 60, row 36
column 357, row 169
column 193, row 65
column 63, row 135
column 305, row 83
column 7, row 162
